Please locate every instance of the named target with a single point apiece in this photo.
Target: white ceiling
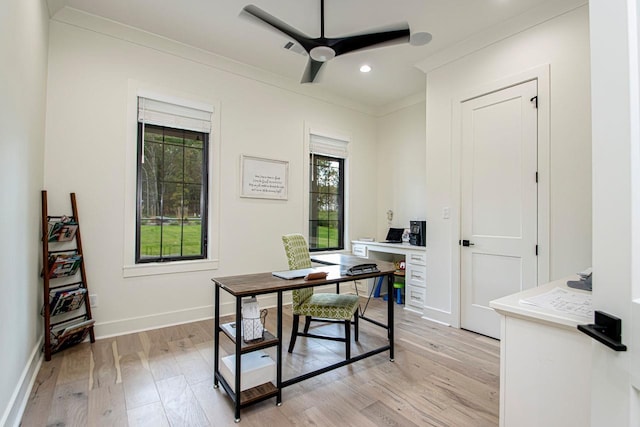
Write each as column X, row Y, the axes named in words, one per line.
column 215, row 26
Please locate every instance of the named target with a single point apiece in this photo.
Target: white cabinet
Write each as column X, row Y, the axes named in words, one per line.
column 414, row 297
column 359, row 250
column 545, row 364
column 366, row 287
column 416, row 275
column 415, row 280
column 415, row 258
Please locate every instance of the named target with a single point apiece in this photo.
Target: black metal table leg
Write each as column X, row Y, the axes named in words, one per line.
column 390, row 303
column 216, row 336
column 279, row 351
column 239, row 337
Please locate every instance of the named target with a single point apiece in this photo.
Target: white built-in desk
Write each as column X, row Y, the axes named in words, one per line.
column 415, row 274
column 545, row 363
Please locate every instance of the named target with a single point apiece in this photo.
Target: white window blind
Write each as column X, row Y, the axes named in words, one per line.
column 326, row 146
column 161, row 113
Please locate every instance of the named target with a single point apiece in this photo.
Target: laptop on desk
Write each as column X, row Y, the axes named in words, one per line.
column 293, row 274
column 394, row 235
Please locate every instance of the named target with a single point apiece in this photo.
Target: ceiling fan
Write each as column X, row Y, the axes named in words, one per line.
column 322, row 49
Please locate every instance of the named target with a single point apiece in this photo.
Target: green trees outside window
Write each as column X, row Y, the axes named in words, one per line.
column 326, row 203
column 172, row 194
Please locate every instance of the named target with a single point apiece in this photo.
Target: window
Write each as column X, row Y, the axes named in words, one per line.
column 172, row 177
column 326, row 202
column 326, row 193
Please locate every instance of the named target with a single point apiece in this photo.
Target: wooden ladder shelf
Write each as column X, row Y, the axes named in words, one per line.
column 66, row 305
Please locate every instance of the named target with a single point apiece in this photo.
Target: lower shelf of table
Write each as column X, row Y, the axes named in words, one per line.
column 258, row 393
column 251, row 395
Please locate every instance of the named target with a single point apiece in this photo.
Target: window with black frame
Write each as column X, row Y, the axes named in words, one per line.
column 326, row 203
column 172, row 193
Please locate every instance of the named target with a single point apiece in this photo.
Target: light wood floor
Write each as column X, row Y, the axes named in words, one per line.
column 441, row 377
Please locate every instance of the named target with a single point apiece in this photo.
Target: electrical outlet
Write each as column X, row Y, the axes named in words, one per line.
column 94, row 300
column 446, row 213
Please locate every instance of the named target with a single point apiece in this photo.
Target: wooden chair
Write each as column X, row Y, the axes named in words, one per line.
column 322, row 307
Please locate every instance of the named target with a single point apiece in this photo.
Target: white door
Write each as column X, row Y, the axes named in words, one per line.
column 615, row 106
column 499, row 202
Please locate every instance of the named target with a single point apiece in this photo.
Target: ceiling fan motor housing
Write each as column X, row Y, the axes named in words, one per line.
column 322, row 53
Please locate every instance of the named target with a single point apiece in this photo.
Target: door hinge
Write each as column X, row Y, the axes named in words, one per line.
column 536, row 250
column 536, row 176
column 535, row 101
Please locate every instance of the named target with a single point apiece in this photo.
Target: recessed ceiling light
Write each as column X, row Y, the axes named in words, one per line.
column 420, row 39
column 365, row 68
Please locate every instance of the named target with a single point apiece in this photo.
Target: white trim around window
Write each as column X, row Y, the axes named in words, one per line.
column 188, row 103
column 330, row 143
column 327, row 146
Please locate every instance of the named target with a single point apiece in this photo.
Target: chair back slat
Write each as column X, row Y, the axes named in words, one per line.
column 297, row 251
column 295, row 246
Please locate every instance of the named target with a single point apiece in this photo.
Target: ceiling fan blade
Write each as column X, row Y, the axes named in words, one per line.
column 311, row 71
column 348, row 44
column 326, row 48
column 255, row 12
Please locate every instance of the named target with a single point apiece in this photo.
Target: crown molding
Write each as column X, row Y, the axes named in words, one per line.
column 543, row 13
column 90, row 22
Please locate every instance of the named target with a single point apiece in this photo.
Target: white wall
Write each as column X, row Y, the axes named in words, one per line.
column 23, row 49
column 90, row 71
column 563, row 44
column 401, row 168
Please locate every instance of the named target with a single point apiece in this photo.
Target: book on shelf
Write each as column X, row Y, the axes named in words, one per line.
column 61, row 265
column 68, row 298
column 62, row 231
column 67, row 334
column 229, row 328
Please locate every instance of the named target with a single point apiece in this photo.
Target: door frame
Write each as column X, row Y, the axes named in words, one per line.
column 541, row 74
column 615, row 129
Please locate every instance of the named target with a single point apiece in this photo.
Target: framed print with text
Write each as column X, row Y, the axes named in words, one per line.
column 263, row 178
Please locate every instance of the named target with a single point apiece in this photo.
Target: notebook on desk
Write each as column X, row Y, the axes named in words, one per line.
column 293, row 274
column 394, row 235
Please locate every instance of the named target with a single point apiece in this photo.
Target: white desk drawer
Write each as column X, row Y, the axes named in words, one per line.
column 414, row 296
column 366, row 287
column 359, row 250
column 417, row 258
column 416, row 275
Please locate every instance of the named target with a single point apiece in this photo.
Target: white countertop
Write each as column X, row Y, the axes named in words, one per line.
column 511, row 306
column 402, row 246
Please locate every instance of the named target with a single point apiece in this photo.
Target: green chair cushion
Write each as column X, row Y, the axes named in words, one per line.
column 328, row 306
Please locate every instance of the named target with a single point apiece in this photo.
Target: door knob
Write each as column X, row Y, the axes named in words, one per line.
column 465, row 243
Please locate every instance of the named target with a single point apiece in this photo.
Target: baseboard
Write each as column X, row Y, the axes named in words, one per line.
column 15, row 408
column 153, row 321
column 162, row 320
column 440, row 322
column 440, row 316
